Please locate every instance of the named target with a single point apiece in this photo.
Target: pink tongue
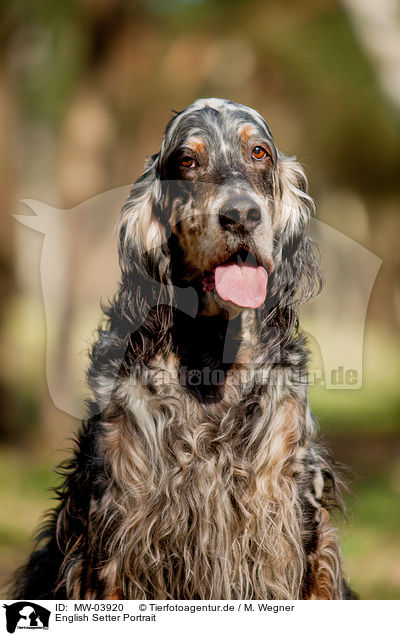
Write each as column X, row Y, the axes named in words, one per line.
column 244, row 285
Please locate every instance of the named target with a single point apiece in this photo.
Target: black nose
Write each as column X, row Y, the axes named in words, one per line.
column 238, row 214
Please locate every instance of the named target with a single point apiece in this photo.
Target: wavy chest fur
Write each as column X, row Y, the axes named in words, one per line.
column 214, row 492
column 223, row 498
column 207, row 496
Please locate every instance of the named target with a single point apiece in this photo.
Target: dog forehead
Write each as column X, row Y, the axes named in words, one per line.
column 209, row 116
column 225, row 106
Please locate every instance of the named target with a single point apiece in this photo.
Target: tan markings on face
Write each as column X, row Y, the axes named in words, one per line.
column 200, row 243
column 191, row 229
column 198, row 232
column 250, row 137
column 197, row 145
column 246, row 132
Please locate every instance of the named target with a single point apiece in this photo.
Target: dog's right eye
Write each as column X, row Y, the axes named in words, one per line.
column 188, row 162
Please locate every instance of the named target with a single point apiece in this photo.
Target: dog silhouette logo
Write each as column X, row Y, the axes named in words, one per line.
column 26, row 615
column 71, row 290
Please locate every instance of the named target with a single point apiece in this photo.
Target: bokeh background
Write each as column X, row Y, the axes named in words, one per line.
column 86, row 88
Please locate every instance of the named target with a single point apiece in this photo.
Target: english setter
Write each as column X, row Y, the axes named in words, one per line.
column 197, row 474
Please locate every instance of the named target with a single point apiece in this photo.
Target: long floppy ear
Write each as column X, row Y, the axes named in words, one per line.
column 145, row 299
column 294, row 204
column 146, row 294
column 297, row 275
column 299, row 254
column 141, row 233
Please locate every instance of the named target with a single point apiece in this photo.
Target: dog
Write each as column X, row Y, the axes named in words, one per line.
column 197, row 474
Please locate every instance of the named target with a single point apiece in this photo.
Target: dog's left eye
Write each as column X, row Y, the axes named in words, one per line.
column 188, row 162
column 258, row 153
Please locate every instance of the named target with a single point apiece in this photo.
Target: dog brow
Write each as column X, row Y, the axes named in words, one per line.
column 196, row 144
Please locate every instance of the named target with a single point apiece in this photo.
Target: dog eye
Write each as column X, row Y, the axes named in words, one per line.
column 188, row 162
column 258, row 153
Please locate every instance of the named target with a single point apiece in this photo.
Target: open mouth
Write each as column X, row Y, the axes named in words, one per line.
column 239, row 280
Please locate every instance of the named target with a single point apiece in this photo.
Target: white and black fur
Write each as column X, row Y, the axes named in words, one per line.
column 181, row 487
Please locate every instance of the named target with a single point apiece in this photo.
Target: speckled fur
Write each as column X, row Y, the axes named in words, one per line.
column 199, row 490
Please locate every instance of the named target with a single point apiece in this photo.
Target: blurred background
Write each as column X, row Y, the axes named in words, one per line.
column 86, row 88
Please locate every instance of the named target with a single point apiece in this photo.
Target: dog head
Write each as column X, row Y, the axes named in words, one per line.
column 221, row 209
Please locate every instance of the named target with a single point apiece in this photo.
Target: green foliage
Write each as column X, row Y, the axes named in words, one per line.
column 371, row 538
column 307, row 65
